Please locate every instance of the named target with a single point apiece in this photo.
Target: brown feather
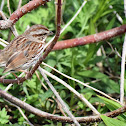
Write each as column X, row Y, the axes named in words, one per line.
column 25, row 49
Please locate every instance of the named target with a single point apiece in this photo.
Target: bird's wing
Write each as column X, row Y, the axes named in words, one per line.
column 18, row 59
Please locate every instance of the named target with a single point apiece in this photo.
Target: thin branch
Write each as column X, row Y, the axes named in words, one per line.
column 72, row 19
column 71, row 89
column 24, row 116
column 1, row 43
column 59, row 105
column 2, row 4
column 2, row 15
column 46, row 115
column 19, row 4
column 5, row 42
column 59, row 98
column 125, row 7
column 117, row 53
column 123, row 64
column 20, row 112
column 8, row 87
column 8, row 5
column 122, row 72
column 40, row 80
column 84, row 84
column 15, row 16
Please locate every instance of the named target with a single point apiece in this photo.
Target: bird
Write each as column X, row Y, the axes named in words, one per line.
column 25, row 50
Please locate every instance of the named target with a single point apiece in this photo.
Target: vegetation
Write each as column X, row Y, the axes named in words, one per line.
column 85, row 63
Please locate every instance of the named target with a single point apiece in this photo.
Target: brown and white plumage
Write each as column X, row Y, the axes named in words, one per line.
column 24, row 50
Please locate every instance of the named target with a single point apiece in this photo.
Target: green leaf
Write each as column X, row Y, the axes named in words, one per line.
column 46, row 95
column 32, row 83
column 104, row 78
column 114, row 104
column 90, row 53
column 3, row 116
column 112, row 122
column 52, row 63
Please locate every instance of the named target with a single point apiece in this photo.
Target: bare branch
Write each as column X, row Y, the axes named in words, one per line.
column 59, row 98
column 46, row 115
column 71, row 89
column 15, row 16
column 90, row 38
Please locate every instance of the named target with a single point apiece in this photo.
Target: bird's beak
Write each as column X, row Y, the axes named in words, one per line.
column 50, row 33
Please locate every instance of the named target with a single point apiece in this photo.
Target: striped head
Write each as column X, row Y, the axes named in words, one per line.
column 37, row 33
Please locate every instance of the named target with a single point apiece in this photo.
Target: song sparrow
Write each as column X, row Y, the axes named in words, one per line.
column 24, row 50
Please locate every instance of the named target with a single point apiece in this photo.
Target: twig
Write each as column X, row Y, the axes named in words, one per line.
column 5, row 42
column 23, row 115
column 60, row 107
column 1, row 43
column 2, row 4
column 71, row 89
column 116, row 52
column 20, row 112
column 59, row 98
column 19, row 4
column 8, row 5
column 85, row 84
column 8, row 87
column 125, row 7
column 123, row 64
column 41, row 81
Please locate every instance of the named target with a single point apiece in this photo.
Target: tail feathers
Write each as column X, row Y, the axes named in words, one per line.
column 8, row 70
